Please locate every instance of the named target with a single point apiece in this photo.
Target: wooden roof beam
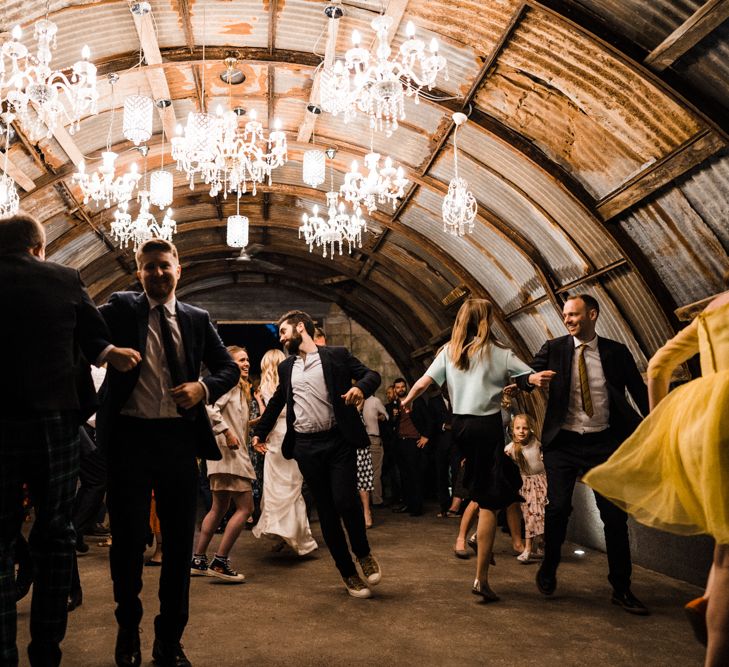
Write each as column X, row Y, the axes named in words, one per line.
column 701, row 23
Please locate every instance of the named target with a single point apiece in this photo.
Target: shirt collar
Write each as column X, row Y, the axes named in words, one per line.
column 169, row 306
column 591, row 345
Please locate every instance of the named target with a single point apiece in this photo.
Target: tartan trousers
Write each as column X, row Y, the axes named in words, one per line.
column 41, row 450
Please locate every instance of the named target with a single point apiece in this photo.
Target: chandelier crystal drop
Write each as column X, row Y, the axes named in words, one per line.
column 459, row 205
column 314, row 171
column 40, row 96
column 138, row 118
column 377, row 85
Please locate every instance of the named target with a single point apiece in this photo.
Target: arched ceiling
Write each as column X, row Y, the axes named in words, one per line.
column 596, row 150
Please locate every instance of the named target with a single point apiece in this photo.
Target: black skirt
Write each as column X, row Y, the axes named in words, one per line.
column 491, row 477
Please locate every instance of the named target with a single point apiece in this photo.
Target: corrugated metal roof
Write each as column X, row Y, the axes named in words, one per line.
column 81, row 251
column 228, row 24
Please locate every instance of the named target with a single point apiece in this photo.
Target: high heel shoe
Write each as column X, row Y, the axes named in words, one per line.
column 696, row 615
column 484, row 591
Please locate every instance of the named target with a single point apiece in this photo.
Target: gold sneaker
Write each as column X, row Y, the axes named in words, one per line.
column 370, row 569
column 356, row 587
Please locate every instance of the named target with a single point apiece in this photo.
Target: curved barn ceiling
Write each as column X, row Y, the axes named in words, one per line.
column 596, row 150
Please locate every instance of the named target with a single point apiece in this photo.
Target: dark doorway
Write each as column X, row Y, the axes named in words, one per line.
column 256, row 338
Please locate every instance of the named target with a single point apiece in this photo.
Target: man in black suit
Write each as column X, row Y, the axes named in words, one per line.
column 323, row 432
column 413, row 430
column 588, row 416
column 152, row 424
column 49, row 320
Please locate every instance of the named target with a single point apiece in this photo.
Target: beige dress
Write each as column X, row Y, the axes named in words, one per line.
column 234, row 471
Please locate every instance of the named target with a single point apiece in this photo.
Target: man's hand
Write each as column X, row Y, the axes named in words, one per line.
column 188, row 395
column 123, row 359
column 353, row 397
column 422, row 441
column 259, row 446
column 231, row 439
column 542, row 379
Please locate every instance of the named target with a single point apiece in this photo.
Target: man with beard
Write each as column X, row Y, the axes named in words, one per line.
column 323, row 431
column 152, row 424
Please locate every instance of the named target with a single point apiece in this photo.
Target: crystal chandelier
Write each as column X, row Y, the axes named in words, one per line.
column 237, row 228
column 103, row 185
column 145, row 226
column 459, row 205
column 138, row 118
column 9, row 199
column 377, row 86
column 379, row 185
column 29, row 82
column 338, row 228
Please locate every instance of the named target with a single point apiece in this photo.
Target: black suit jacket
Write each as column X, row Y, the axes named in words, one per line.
column 620, row 371
column 421, row 415
column 48, row 320
column 340, row 368
column 127, row 315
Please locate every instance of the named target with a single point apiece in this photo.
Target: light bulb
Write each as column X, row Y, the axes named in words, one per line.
column 253, row 115
column 355, row 166
column 410, row 29
column 86, row 52
column 277, row 124
column 315, row 210
column 81, row 167
column 17, row 33
column 178, row 130
column 356, row 38
column 434, row 45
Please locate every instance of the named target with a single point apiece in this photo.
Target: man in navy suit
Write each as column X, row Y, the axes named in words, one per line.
column 323, row 432
column 49, row 320
column 588, row 416
column 152, row 424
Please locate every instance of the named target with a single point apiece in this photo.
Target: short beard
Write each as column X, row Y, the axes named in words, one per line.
column 293, row 345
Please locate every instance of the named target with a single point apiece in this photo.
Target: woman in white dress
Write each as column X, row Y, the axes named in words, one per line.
column 283, row 510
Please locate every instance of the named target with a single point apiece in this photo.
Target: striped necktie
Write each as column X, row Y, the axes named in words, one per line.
column 584, row 383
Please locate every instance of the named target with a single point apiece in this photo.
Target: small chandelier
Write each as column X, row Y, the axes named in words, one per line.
column 237, row 228
column 138, row 118
column 103, row 185
column 194, row 149
column 29, row 82
column 377, row 86
column 314, row 172
column 379, row 185
column 9, row 199
column 459, row 205
column 338, row 228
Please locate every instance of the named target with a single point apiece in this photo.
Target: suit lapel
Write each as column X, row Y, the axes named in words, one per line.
column 142, row 305
column 603, row 350
column 567, row 357
column 186, row 330
column 326, row 364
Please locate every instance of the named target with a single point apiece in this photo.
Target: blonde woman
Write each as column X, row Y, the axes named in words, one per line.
column 477, row 368
column 283, row 511
column 230, row 478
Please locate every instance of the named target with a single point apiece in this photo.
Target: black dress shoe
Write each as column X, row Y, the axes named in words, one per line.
column 630, row 603
column 400, row 509
column 546, row 583
column 75, row 599
column 127, row 652
column 169, row 654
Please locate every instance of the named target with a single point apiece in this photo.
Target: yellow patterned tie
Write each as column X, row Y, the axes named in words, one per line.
column 584, row 384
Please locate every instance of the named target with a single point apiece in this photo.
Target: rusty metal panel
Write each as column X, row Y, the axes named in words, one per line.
column 551, row 320
column 686, row 254
column 707, row 190
column 532, row 329
column 513, row 208
column 646, row 23
column 501, row 269
column 584, row 107
column 20, row 158
column 242, row 23
column 168, row 23
column 293, row 81
column 414, row 249
column 81, row 251
column 44, row 205
column 92, row 135
column 116, row 273
column 542, row 189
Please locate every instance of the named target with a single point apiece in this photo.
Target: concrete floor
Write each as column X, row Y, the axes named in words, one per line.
column 296, row 612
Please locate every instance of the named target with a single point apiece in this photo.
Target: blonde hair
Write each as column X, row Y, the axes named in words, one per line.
column 269, row 371
column 245, row 384
column 471, row 335
column 518, row 447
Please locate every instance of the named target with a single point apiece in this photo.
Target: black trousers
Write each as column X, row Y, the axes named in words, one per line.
column 569, row 456
column 148, row 454
column 412, row 462
column 445, row 469
column 329, row 466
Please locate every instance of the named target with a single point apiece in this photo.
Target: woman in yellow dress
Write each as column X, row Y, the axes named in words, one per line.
column 673, row 472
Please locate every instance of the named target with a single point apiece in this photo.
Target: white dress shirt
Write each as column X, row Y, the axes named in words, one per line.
column 577, row 419
column 371, row 411
column 151, row 398
column 313, row 409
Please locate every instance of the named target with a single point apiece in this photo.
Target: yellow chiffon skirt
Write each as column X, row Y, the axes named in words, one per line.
column 673, row 472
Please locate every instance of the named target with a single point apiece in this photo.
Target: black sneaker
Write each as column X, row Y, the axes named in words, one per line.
column 169, row 654
column 630, row 603
column 220, row 568
column 199, row 565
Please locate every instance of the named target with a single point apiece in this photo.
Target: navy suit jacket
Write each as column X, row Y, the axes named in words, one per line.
column 127, row 316
column 340, row 368
column 620, row 371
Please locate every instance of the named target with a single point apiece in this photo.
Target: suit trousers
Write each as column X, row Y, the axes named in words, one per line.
column 569, row 456
column 329, row 466
column 146, row 455
column 412, row 462
column 43, row 451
